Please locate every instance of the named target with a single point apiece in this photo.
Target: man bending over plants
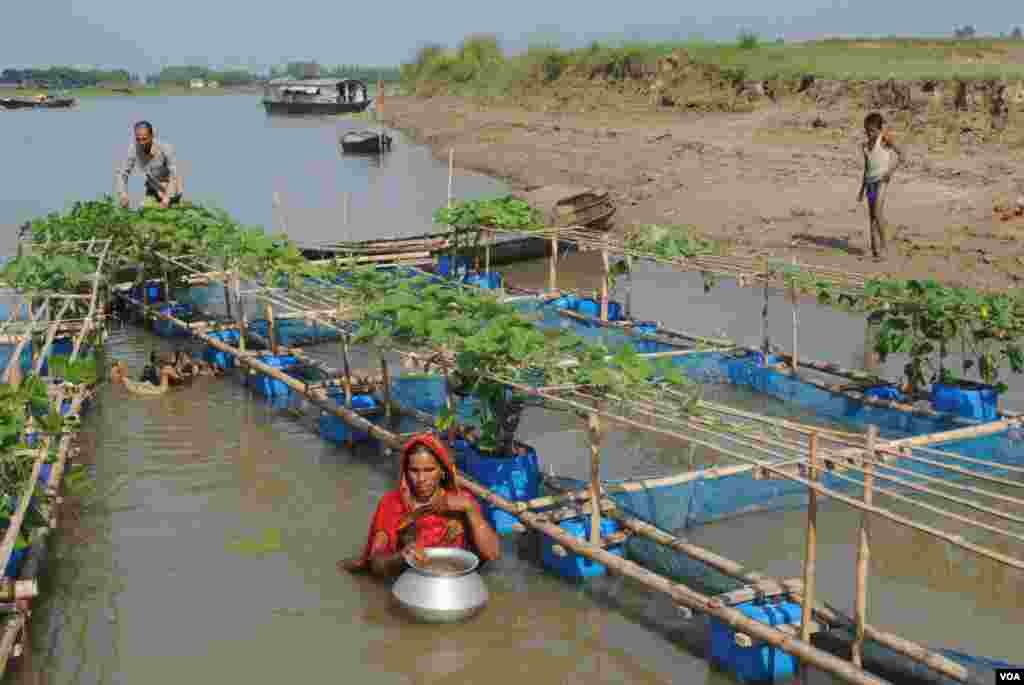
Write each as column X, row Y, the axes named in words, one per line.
column 155, row 160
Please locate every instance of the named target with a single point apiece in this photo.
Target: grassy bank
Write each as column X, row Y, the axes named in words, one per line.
column 479, row 66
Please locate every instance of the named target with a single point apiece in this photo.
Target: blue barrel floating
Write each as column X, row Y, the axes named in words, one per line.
column 444, row 265
column 761, row 662
column 62, row 347
column 488, row 280
column 425, row 392
column 886, row 392
column 272, row 387
column 573, row 565
column 7, row 351
column 335, row 430
column 219, row 358
column 154, row 291
column 970, row 400
column 515, row 478
column 17, row 558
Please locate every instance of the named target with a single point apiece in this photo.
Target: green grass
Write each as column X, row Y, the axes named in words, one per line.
column 479, row 67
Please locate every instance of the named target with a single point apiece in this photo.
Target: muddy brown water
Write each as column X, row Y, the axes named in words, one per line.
column 211, row 552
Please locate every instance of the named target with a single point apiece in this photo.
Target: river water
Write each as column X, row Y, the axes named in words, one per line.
column 211, row 554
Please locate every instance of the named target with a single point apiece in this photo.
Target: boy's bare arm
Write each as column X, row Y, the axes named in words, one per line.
column 891, row 143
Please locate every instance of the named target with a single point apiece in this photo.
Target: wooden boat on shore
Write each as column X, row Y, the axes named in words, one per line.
column 38, row 103
column 315, row 96
column 572, row 206
column 365, row 142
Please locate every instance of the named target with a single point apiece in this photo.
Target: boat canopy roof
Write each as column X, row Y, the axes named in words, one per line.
column 314, row 82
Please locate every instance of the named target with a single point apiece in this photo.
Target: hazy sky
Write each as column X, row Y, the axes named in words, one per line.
column 144, row 36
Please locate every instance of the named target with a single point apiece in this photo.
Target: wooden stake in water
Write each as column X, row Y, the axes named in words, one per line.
column 864, row 552
column 271, row 329
column 594, row 426
column 344, row 206
column 347, row 381
column 604, row 284
column 629, row 288
column 765, row 340
column 553, row 263
column 240, row 313
column 811, row 551
column 386, row 381
column 796, row 322
column 451, row 174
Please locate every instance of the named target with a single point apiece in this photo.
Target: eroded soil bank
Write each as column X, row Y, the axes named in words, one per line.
column 766, row 166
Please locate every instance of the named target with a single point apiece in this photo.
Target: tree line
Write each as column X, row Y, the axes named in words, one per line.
column 68, row 76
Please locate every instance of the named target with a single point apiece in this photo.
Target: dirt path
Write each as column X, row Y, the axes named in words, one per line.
column 766, row 180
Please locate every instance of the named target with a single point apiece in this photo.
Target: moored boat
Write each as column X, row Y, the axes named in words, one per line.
column 38, row 103
column 365, row 142
column 315, row 96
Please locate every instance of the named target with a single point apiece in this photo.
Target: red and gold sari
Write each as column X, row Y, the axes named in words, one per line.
column 403, row 520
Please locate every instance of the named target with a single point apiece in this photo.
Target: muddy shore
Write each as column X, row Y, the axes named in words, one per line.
column 781, row 179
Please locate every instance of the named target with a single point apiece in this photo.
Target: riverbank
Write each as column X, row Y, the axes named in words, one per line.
column 770, row 179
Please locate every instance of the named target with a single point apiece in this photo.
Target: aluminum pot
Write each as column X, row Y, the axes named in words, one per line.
column 442, row 596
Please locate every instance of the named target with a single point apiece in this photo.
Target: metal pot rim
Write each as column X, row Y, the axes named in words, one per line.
column 471, row 560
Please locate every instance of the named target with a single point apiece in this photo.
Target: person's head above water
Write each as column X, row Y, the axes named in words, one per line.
column 143, row 134
column 427, row 467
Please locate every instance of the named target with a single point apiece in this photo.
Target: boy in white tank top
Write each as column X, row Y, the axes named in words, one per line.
column 881, row 158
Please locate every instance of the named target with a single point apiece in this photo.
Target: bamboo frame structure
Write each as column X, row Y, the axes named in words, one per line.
column 777, row 468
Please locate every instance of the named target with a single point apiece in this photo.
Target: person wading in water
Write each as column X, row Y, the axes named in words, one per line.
column 427, row 509
column 155, row 160
column 879, row 165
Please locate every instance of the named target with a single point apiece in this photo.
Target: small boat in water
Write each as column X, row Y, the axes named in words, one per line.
column 39, row 102
column 315, row 96
column 365, row 142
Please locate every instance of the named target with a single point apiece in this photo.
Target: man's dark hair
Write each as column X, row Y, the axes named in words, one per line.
column 143, row 124
column 874, row 119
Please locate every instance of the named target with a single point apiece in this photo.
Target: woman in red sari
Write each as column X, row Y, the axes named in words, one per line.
column 427, row 510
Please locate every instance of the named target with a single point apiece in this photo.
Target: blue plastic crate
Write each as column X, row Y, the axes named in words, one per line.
column 272, row 387
column 972, row 401
column 219, row 358
column 759, row 663
column 574, row 565
column 513, row 478
column 167, row 329
column 333, row 429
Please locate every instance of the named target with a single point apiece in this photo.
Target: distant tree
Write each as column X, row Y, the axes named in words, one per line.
column 1017, row 33
column 964, row 32
column 747, row 40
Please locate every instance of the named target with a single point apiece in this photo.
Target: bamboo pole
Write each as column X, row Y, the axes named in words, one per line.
column 811, row 550
column 863, row 556
column 386, row 380
column 271, row 329
column 594, row 426
column 604, row 284
column 12, row 373
column 795, row 360
column 553, row 264
column 765, row 338
column 12, row 629
column 347, row 379
column 629, row 288
column 18, row 517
